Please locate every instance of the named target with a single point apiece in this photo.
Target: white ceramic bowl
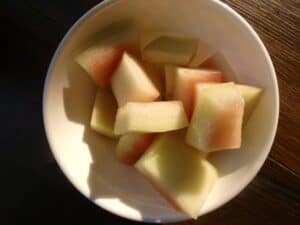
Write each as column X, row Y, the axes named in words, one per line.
column 87, row 159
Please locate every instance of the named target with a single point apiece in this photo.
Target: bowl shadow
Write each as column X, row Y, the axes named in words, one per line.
column 107, row 178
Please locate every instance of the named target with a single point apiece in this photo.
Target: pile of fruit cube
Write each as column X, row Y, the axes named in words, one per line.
column 168, row 101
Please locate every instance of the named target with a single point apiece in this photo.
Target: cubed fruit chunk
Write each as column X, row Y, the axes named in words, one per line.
column 150, row 117
column 251, row 96
column 101, row 59
column 181, row 173
column 172, row 50
column 217, row 119
column 197, row 90
column 130, row 83
column 131, row 146
column 219, row 62
column 184, row 81
column 104, row 113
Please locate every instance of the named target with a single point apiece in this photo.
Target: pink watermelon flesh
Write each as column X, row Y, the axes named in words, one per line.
column 132, row 146
column 217, row 119
column 184, row 84
column 101, row 59
column 219, row 62
column 102, row 64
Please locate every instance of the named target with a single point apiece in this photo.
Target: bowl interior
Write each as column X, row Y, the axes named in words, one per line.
column 87, row 158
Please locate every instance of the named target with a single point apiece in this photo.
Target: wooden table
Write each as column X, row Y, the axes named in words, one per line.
column 34, row 189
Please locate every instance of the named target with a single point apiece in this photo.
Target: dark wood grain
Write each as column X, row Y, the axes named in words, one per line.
column 278, row 24
column 39, row 193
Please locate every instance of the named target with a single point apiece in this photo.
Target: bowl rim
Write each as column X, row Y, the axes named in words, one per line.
column 167, row 219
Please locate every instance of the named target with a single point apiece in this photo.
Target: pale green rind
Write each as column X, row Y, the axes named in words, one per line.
column 170, row 50
column 251, row 96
